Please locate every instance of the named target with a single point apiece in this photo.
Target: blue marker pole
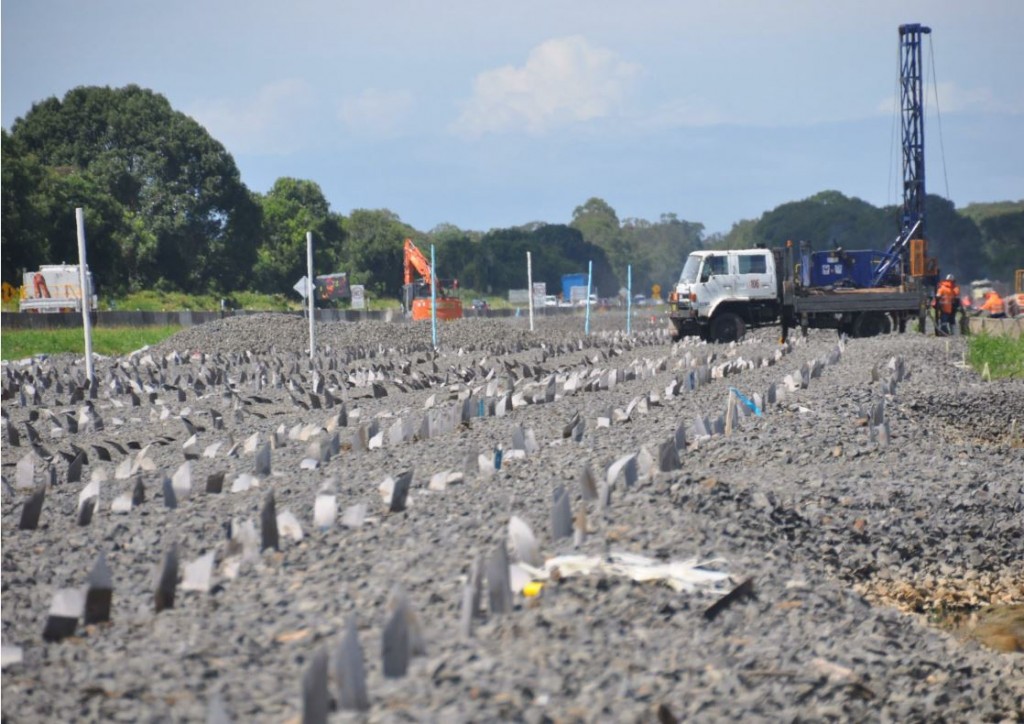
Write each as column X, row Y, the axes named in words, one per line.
column 590, row 274
column 629, row 299
column 433, row 298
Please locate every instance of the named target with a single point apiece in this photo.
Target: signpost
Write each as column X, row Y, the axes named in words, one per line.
column 358, row 296
column 309, row 292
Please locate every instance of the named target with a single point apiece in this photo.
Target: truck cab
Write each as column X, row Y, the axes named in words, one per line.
column 721, row 293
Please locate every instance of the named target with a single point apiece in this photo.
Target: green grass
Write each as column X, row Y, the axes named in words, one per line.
column 21, row 343
column 1004, row 355
column 155, row 301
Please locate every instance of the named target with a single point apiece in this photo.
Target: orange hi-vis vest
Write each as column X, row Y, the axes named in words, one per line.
column 945, row 296
column 993, row 304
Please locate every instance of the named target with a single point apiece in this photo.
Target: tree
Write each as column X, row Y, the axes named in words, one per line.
column 953, row 240
column 599, row 224
column 374, row 250
column 39, row 226
column 1004, row 244
column 659, row 249
column 457, row 251
column 177, row 185
column 740, row 236
column 827, row 220
column 291, row 209
column 24, row 245
column 556, row 249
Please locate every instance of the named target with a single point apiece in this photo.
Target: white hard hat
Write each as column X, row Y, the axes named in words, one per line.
column 950, row 278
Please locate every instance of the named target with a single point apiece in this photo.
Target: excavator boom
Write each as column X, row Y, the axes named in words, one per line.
column 414, row 260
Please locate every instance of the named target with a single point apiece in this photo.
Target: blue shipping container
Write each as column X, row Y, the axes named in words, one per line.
column 844, row 268
column 572, row 280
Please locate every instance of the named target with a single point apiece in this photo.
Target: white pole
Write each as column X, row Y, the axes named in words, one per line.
column 629, row 298
column 590, row 274
column 309, row 292
column 433, row 298
column 83, row 277
column 529, row 284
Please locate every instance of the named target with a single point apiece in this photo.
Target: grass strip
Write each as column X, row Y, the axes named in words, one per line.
column 21, row 343
column 1004, row 355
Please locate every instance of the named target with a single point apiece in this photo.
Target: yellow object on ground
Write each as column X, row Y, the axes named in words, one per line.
column 533, row 588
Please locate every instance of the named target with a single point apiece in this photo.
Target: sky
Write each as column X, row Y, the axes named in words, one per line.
column 494, row 114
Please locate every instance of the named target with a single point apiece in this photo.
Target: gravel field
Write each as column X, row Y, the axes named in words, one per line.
column 882, row 480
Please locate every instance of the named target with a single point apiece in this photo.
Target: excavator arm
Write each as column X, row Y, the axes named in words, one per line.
column 414, row 260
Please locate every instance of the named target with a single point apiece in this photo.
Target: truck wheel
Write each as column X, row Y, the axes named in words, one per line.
column 872, row 324
column 727, row 327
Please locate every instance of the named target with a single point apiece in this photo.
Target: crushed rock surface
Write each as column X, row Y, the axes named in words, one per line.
column 826, row 508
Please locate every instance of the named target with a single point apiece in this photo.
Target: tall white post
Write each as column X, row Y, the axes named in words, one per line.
column 83, row 282
column 433, row 298
column 629, row 298
column 590, row 285
column 309, row 293
column 529, row 284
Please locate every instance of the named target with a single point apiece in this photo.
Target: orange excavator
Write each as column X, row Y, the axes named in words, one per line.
column 416, row 292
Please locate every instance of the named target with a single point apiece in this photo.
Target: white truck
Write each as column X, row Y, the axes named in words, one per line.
column 55, row 288
column 720, row 294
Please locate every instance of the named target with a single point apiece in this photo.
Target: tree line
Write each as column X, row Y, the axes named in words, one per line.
column 166, row 209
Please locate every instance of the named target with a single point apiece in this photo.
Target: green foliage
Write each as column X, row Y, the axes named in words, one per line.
column 978, row 212
column 1004, row 244
column 163, row 301
column 555, row 250
column 827, row 220
column 22, row 343
column 740, row 236
column 374, row 250
column 1003, row 355
column 290, row 210
column 954, row 240
column 659, row 249
column 830, row 219
column 164, row 200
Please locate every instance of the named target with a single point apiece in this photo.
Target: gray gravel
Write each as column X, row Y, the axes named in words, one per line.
column 834, row 516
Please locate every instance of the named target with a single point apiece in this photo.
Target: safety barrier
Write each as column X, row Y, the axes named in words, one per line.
column 1009, row 327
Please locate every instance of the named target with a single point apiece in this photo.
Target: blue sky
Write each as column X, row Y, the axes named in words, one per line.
column 493, row 114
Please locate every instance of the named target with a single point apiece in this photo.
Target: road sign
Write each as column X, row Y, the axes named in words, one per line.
column 300, row 286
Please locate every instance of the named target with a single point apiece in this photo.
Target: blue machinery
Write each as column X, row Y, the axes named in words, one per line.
column 912, row 114
column 907, row 254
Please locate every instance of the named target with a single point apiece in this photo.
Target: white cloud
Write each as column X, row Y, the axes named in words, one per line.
column 274, row 121
column 564, row 81
column 376, row 113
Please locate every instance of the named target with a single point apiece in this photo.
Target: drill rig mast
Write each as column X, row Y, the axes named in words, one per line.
column 911, row 238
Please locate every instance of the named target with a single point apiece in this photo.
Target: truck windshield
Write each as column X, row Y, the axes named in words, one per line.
column 690, row 269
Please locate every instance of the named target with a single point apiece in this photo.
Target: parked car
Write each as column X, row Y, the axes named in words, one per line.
column 639, row 300
column 481, row 305
column 550, row 300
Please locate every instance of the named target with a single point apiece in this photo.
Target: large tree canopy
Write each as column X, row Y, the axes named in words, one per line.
column 187, row 221
column 291, row 209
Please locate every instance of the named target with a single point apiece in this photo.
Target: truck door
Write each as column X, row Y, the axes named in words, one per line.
column 716, row 281
column 756, row 277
